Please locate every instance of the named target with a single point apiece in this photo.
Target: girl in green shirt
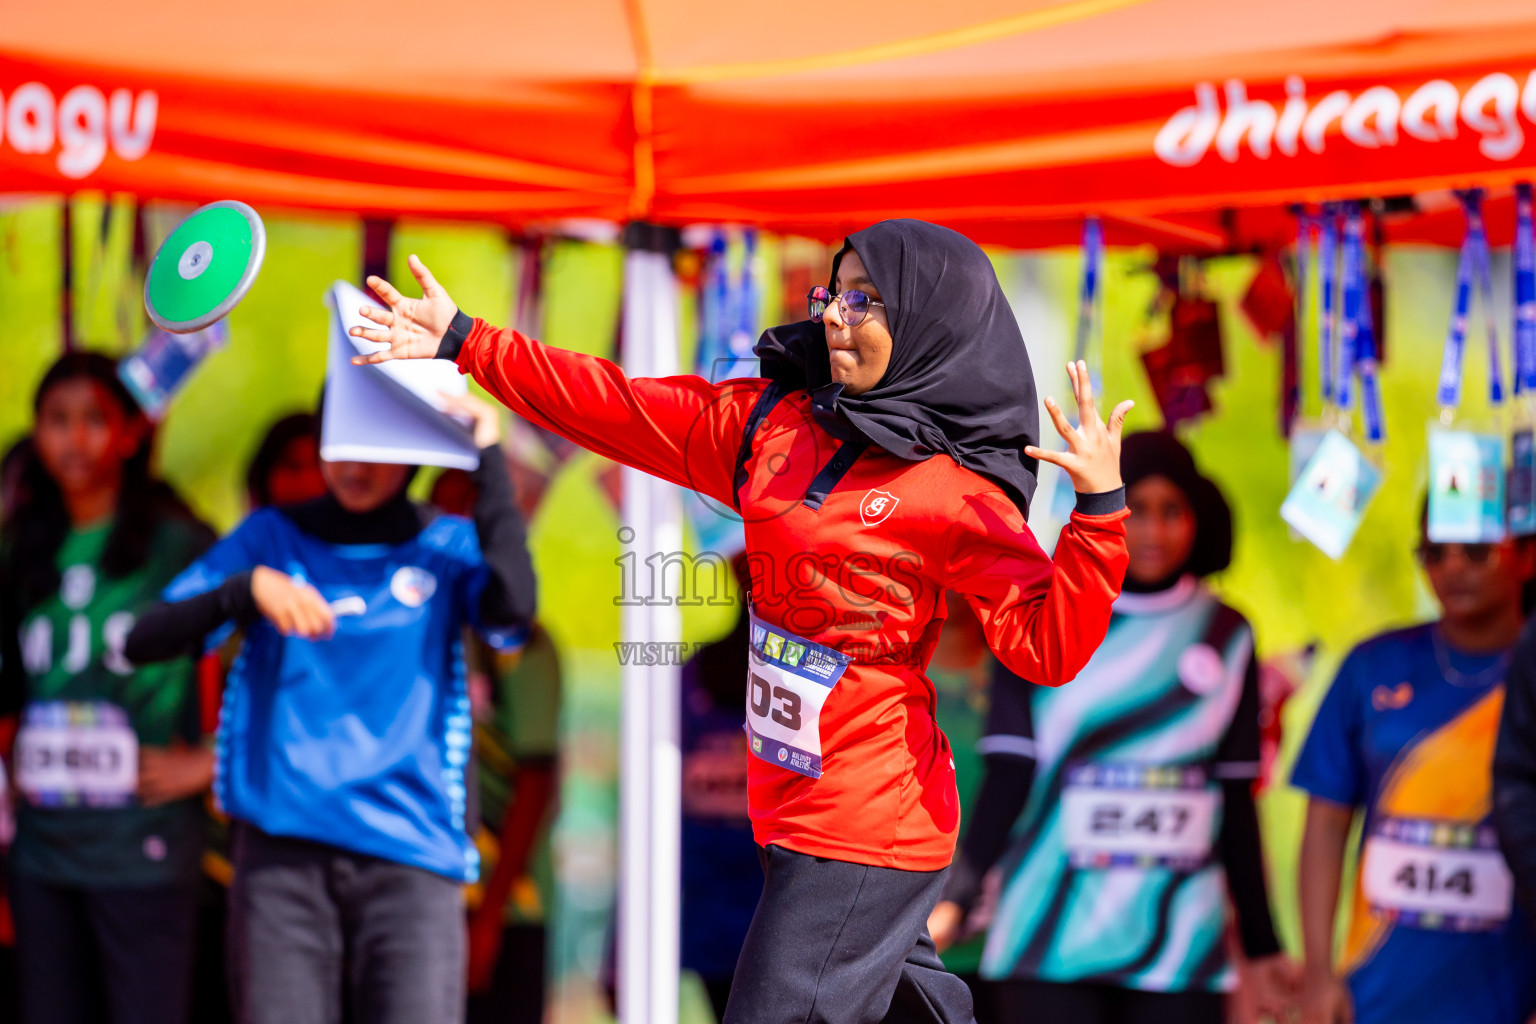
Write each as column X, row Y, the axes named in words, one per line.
column 107, row 765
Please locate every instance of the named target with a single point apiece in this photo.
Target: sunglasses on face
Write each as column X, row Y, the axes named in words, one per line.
column 1431, row 553
column 852, row 304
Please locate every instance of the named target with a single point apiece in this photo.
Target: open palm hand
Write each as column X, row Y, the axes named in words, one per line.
column 412, row 328
column 1092, row 458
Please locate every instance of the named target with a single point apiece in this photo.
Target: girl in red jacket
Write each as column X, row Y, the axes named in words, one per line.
column 887, row 455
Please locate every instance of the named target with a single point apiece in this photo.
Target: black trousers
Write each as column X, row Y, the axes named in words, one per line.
column 840, row 943
column 313, row 927
column 1047, row 1002
column 517, row 988
column 90, row 955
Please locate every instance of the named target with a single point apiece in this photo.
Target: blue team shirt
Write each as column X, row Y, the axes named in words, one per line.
column 359, row 741
column 1394, row 736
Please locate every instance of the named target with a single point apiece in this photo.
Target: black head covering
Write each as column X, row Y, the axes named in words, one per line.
column 1159, row 453
column 959, row 381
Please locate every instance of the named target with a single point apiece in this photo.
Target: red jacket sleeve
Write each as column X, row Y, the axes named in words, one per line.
column 1043, row 619
column 682, row 429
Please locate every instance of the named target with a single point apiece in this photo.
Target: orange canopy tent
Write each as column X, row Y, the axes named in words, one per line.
column 1189, row 123
column 1186, row 122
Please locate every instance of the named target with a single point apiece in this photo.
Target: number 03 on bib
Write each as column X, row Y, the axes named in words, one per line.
column 788, row 681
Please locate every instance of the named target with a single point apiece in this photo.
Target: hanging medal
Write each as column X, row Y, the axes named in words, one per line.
column 1466, row 466
column 1522, row 471
column 1334, row 487
column 1314, row 248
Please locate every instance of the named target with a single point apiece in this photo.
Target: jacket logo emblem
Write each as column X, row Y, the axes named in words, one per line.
column 413, row 587
column 876, row 506
column 1391, row 698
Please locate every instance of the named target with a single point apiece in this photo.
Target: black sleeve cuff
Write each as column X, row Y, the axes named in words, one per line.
column 458, row 333
column 1102, row 503
column 236, row 600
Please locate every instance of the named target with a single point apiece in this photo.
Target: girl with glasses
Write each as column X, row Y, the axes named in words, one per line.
column 886, row 456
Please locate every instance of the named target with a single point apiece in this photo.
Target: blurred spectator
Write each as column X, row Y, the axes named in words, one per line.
column 13, row 474
column 961, row 671
column 345, row 734
column 1406, row 734
column 517, row 720
column 1135, row 786
column 722, row 878
column 286, row 467
column 1514, row 770
column 108, row 758
column 285, row 470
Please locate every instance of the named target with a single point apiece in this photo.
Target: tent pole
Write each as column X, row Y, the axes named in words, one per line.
column 650, row 759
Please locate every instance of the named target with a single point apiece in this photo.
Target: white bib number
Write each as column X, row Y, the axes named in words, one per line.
column 74, row 753
column 788, row 681
column 1437, row 876
column 1118, row 815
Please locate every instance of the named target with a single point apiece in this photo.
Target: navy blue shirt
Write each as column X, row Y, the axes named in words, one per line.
column 1406, row 733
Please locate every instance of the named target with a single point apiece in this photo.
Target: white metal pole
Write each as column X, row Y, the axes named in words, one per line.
column 651, row 758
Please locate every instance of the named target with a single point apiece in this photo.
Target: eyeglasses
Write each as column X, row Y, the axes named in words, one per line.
column 852, row 304
column 1431, row 553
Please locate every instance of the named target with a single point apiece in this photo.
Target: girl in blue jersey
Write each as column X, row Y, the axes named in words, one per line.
column 1118, row 809
column 344, row 734
column 1406, row 736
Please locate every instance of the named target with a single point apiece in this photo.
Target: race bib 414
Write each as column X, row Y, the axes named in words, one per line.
column 1437, row 875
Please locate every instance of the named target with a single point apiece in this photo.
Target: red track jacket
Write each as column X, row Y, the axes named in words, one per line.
column 864, row 574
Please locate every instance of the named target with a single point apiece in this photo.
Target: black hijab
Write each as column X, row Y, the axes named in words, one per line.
column 959, row 381
column 1159, row 453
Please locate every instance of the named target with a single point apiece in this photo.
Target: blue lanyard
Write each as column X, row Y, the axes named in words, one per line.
column 1088, row 292
column 1473, row 259
column 1357, row 335
column 744, row 330
column 1525, row 292
column 1327, row 268
column 714, row 306
column 1304, row 244
column 1482, row 261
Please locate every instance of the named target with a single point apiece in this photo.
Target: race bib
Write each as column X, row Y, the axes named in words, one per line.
column 72, row 754
column 788, row 681
column 1138, row 815
column 1436, row 875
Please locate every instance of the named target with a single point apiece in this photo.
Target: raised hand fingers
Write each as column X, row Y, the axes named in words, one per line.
column 1060, row 422
column 1082, row 390
column 429, row 286
column 1046, row 455
column 1117, row 418
column 378, row 316
column 383, row 355
column 386, row 291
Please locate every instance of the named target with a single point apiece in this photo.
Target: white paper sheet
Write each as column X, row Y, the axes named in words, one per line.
column 391, row 412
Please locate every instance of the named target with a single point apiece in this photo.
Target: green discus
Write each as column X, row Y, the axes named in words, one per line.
column 204, row 268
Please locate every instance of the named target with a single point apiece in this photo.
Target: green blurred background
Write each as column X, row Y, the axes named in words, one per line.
column 274, row 365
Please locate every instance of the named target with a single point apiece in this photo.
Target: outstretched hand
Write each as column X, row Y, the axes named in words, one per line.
column 1092, row 458
column 412, row 328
